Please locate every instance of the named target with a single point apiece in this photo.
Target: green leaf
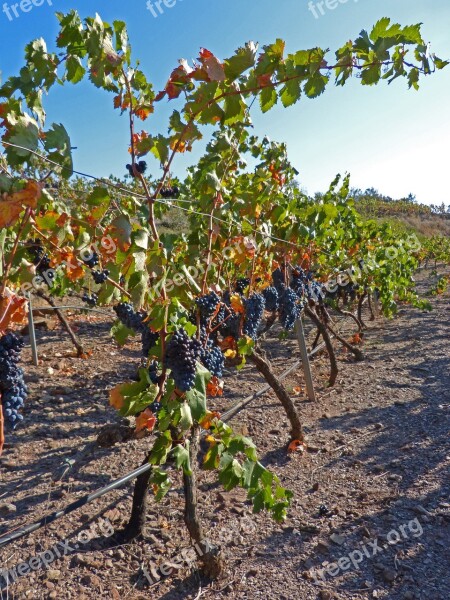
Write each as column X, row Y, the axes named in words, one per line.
column 267, row 98
column 371, row 75
column 315, row 86
column 162, row 481
column 25, row 133
column 121, row 333
column 75, row 70
column 186, row 421
column 290, row 93
column 243, row 59
column 182, row 459
column 161, row 449
column 196, row 397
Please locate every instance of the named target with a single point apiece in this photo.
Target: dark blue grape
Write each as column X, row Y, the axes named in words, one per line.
column 153, row 372
column 241, row 284
column 92, row 261
column 100, row 276
column 278, row 279
column 91, row 300
column 272, row 298
column 254, row 312
column 181, row 357
column 149, row 339
column 207, row 305
column 13, row 390
column 290, row 309
column 212, row 358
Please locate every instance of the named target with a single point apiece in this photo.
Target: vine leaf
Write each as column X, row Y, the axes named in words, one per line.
column 12, row 205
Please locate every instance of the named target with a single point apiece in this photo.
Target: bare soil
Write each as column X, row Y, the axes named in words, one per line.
column 371, row 492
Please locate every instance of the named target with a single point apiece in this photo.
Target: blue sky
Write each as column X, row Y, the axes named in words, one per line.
column 386, row 136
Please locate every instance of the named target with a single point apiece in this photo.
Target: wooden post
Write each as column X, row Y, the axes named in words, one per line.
column 305, row 359
column 32, row 332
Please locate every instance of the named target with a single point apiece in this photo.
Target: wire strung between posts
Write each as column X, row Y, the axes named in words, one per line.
column 141, row 196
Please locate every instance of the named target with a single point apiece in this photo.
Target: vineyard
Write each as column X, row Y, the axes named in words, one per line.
column 209, row 373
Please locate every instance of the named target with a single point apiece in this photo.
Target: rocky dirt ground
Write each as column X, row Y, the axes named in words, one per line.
column 370, row 515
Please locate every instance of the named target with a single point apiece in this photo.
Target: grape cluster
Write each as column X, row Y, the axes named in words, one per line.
column 129, row 317
column 140, row 167
column 92, row 261
column 231, row 325
column 241, row 284
column 135, row 321
column 100, row 276
column 39, row 257
column 91, row 300
column 181, row 357
column 254, row 312
column 149, row 339
column 155, row 407
column 278, row 279
column 212, row 359
column 170, row 192
column 13, row 390
column 272, row 298
column 207, row 305
column 153, row 373
column 290, row 309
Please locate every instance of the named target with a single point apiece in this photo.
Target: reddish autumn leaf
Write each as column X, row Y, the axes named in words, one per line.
column 146, row 420
column 116, row 398
column 11, row 205
column 12, row 309
column 212, row 65
column 143, row 112
column 214, row 389
column 297, row 446
column 206, row 422
column 264, row 80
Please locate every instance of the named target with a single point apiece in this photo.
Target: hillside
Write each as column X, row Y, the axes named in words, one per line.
column 405, row 213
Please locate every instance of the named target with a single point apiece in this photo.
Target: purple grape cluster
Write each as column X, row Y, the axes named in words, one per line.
column 129, row 317
column 140, row 167
column 254, row 312
column 136, row 321
column 207, row 306
column 92, row 261
column 13, row 390
column 181, row 357
column 100, row 276
column 170, row 192
column 241, row 284
column 39, row 257
column 272, row 298
column 212, row 358
column 90, row 300
column 290, row 309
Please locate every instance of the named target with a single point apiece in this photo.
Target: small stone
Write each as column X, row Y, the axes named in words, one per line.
column 53, row 574
column 323, row 547
column 337, row 539
column 316, row 486
column 389, row 575
column 7, row 509
column 325, row 595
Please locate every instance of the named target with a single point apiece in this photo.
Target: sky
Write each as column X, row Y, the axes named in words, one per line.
column 388, row 137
